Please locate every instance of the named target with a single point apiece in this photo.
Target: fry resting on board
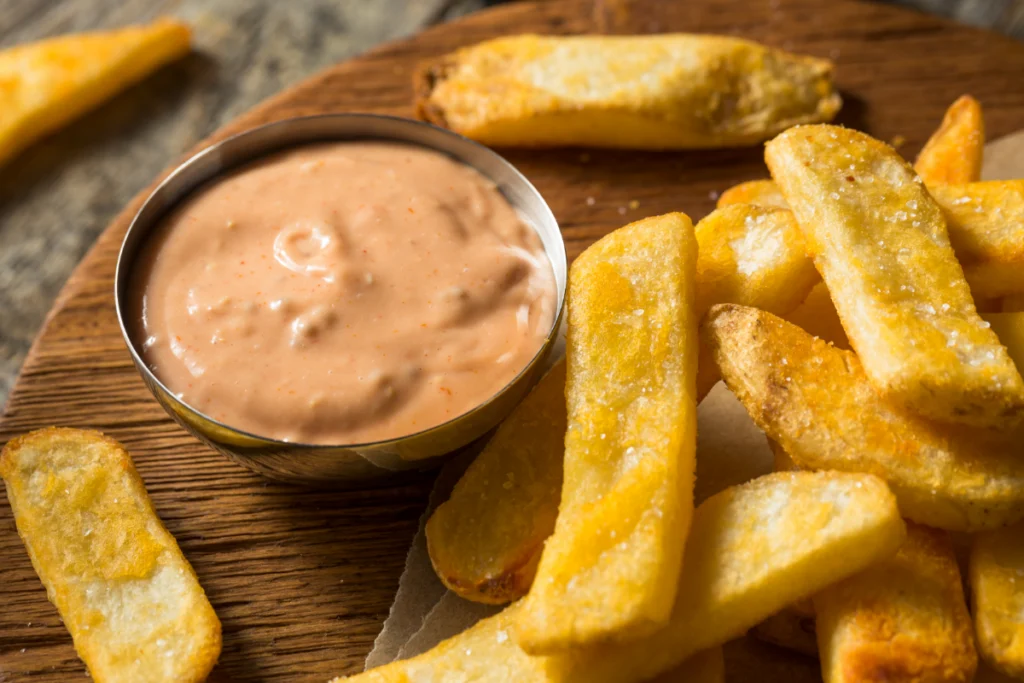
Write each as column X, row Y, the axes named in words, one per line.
column 880, row 243
column 668, row 91
column 609, row 569
column 752, row 549
column 817, row 403
column 129, row 598
column 49, row 83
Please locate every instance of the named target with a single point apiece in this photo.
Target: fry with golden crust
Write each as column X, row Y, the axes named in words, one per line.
column 986, row 229
column 953, row 153
column 1009, row 327
column 752, row 549
column 760, row 192
column 996, row 571
column 49, row 83
column 486, row 539
column 903, row 620
column 129, row 598
column 880, row 242
column 817, row 403
column 609, row 569
column 667, row 91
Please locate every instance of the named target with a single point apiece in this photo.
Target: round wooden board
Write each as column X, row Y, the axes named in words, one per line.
column 302, row 579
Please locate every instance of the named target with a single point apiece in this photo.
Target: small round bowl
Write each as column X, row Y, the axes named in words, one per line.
column 342, row 464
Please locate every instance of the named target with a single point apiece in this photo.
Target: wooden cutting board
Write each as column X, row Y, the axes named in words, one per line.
column 301, row 578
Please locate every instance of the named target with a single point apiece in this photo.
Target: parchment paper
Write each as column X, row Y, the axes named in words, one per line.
column 731, row 450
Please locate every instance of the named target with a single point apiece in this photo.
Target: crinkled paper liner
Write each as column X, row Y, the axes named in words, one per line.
column 425, row 613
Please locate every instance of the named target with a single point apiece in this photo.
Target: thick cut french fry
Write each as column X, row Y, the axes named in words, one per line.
column 997, row 592
column 953, row 153
column 752, row 549
column 903, row 620
column 760, row 192
column 753, row 255
column 49, row 83
column 817, row 316
column 485, row 541
column 665, row 91
column 986, row 229
column 129, row 598
column 817, row 403
column 609, row 569
column 880, row 242
column 1009, row 327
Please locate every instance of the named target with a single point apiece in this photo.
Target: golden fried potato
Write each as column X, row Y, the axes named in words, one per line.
column 817, row 403
column 986, row 229
column 997, row 589
column 953, row 153
column 752, row 255
column 881, row 245
column 760, row 192
column 752, row 549
column 49, row 83
column 667, row 91
column 1009, row 327
column 486, row 539
column 903, row 620
column 129, row 598
column 609, row 569
column 817, row 316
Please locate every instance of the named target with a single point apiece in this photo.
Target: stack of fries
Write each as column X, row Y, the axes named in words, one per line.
column 901, row 427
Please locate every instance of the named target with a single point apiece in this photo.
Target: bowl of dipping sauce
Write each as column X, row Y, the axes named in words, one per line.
column 341, row 298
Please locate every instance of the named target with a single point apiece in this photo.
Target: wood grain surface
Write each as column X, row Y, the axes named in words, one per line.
column 303, row 578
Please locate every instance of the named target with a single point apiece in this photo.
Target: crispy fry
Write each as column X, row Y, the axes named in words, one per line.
column 609, row 569
column 128, row 596
column 753, row 255
column 881, row 245
column 760, row 192
column 954, row 151
column 996, row 568
column 752, row 549
column 486, row 540
column 902, row 620
column 986, row 229
column 49, row 83
column 668, row 91
column 817, row 403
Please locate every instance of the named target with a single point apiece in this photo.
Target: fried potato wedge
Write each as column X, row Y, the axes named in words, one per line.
column 752, row 255
column 817, row 403
column 996, row 571
column 1009, row 327
column 901, row 620
column 751, row 550
column 129, row 598
column 760, row 192
column 667, row 91
column 817, row 316
column 986, row 229
column 953, row 153
column 486, row 539
column 46, row 84
column 880, row 242
column 609, row 569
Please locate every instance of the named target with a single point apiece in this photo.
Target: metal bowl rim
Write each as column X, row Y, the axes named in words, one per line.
column 123, row 270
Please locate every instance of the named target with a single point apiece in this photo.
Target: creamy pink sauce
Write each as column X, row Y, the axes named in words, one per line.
column 342, row 293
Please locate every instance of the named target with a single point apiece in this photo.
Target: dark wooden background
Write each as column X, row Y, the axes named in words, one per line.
column 302, row 578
